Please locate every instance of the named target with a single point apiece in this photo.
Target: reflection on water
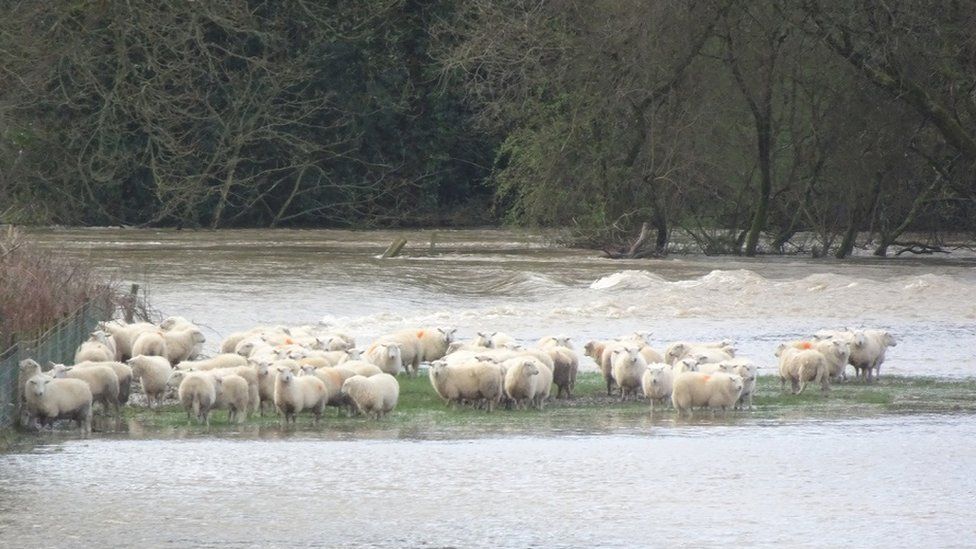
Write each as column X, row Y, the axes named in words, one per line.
column 881, row 482
column 499, row 280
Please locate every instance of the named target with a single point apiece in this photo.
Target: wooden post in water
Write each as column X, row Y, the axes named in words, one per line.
column 394, row 248
column 129, row 306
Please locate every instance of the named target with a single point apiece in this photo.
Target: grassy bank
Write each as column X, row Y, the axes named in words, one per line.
column 421, row 412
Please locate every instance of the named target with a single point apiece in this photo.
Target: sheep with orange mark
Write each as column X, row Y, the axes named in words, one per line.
column 798, row 365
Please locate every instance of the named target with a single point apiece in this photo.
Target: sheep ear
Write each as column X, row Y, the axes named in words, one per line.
column 286, row 330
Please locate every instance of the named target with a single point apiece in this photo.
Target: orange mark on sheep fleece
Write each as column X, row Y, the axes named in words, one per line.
column 706, row 378
column 420, row 334
column 289, row 341
column 806, row 345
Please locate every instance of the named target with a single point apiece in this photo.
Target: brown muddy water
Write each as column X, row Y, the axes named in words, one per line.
column 880, row 481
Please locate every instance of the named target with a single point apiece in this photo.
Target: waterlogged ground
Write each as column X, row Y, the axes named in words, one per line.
column 884, row 465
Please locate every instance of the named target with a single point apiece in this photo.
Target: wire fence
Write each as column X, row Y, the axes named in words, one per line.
column 56, row 344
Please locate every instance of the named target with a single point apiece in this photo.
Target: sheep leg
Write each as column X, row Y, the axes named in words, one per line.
column 609, row 381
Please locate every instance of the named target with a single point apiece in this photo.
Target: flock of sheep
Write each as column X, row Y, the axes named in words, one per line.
column 304, row 369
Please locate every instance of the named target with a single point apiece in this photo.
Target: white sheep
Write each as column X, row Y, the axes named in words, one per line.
column 657, row 382
column 376, row 395
column 555, row 341
column 800, row 365
column 176, row 323
column 99, row 348
column 474, row 381
column 333, row 378
column 101, row 380
column 150, row 343
column 713, row 351
column 749, row 373
column 49, row 399
column 493, row 340
column 233, row 393
column 125, row 335
column 198, row 394
column 434, row 342
column 521, row 376
column 183, row 344
column 293, row 395
column 627, row 368
column 153, row 373
column 122, row 371
column 250, row 375
column 868, row 352
column 836, row 351
column 543, row 385
column 223, row 360
column 695, row 389
column 361, row 367
column 386, row 356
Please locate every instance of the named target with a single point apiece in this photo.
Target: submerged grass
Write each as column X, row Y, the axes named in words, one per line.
column 421, row 413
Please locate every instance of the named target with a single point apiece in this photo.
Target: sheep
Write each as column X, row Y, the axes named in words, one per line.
column 183, row 344
column 493, row 340
column 150, row 344
column 125, row 335
column 232, row 392
column 836, row 351
column 627, row 368
column 49, row 399
column 714, row 351
column 296, row 394
column 474, row 381
column 688, row 364
column 361, row 367
column 266, row 383
column 691, row 389
column 153, row 372
column 250, row 375
column 223, row 360
column 333, row 378
column 555, row 341
column 176, row 323
column 97, row 349
column 122, row 371
column 102, row 381
column 565, row 366
column 28, row 368
column 321, row 359
column 386, row 356
column 868, row 352
column 543, row 385
column 749, row 373
column 338, row 342
column 605, row 362
column 198, row 395
column 372, row 395
column 656, row 383
column 521, row 376
column 800, row 365
column 435, row 342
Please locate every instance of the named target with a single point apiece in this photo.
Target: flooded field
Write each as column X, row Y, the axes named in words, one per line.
column 892, row 482
column 858, row 470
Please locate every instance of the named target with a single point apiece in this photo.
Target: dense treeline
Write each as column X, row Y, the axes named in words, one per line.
column 227, row 112
column 738, row 124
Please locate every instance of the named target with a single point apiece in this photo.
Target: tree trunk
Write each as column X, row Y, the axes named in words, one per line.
column 765, row 187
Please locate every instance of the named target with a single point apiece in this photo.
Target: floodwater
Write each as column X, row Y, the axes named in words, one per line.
column 888, row 482
column 892, row 480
